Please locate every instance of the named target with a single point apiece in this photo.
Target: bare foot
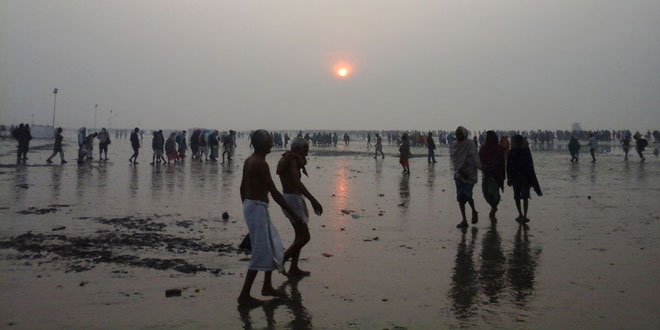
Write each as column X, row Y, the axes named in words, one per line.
column 475, row 217
column 463, row 224
column 272, row 292
column 297, row 272
column 249, row 301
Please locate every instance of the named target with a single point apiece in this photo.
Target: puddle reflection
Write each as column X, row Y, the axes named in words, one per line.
column 497, row 271
column 491, row 272
column 293, row 303
column 463, row 290
column 404, row 192
column 522, row 263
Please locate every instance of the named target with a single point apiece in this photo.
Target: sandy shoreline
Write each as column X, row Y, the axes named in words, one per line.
column 589, row 260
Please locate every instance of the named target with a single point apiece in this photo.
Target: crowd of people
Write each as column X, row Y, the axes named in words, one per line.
column 210, row 145
column 499, row 160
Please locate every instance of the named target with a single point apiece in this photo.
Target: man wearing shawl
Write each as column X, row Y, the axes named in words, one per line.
column 521, row 175
column 491, row 156
column 574, row 149
column 293, row 191
column 465, row 162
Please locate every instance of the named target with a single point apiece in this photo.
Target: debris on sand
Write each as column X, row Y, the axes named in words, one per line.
column 225, row 216
column 172, row 293
column 184, row 223
column 36, row 210
column 23, row 185
column 131, row 222
column 83, row 253
column 327, row 255
column 58, row 228
column 59, row 205
column 347, row 211
column 355, row 216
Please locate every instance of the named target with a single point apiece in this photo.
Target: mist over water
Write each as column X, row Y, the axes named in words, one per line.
column 436, row 65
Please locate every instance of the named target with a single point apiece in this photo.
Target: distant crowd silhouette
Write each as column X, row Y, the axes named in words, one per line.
column 499, row 159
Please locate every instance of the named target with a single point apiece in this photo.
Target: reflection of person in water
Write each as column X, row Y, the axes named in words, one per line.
column 302, row 319
column 463, row 290
column 522, row 263
column 491, row 272
column 404, row 189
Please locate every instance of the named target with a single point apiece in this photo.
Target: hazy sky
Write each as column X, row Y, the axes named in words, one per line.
column 269, row 64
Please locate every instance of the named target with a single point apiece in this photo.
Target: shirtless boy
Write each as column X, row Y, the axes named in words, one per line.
column 288, row 170
column 267, row 249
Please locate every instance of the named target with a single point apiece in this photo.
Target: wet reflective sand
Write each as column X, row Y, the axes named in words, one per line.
column 590, row 258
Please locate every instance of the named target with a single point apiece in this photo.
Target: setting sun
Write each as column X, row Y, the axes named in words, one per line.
column 342, row 70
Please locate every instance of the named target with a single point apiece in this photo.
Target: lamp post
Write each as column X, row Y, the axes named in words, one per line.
column 54, row 105
column 95, row 107
column 110, row 120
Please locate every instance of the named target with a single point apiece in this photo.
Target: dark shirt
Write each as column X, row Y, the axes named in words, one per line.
column 135, row 141
column 404, row 149
column 194, row 139
column 58, row 141
column 213, row 141
column 157, row 143
column 430, row 143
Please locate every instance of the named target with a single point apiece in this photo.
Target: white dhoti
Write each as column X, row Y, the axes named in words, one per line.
column 297, row 203
column 267, row 248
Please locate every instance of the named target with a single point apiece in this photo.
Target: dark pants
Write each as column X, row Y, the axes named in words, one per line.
column 135, row 152
column 22, row 150
column 431, row 157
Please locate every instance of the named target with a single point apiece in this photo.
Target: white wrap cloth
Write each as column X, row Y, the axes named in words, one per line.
column 267, row 248
column 297, row 203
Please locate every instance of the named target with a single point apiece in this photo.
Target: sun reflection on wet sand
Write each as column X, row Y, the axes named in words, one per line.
column 341, row 194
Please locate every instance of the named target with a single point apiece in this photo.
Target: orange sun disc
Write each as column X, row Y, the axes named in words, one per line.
column 342, row 70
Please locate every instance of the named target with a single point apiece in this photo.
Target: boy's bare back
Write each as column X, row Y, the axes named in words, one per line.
column 256, row 179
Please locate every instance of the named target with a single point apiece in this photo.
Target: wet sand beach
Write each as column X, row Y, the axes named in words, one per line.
column 104, row 245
